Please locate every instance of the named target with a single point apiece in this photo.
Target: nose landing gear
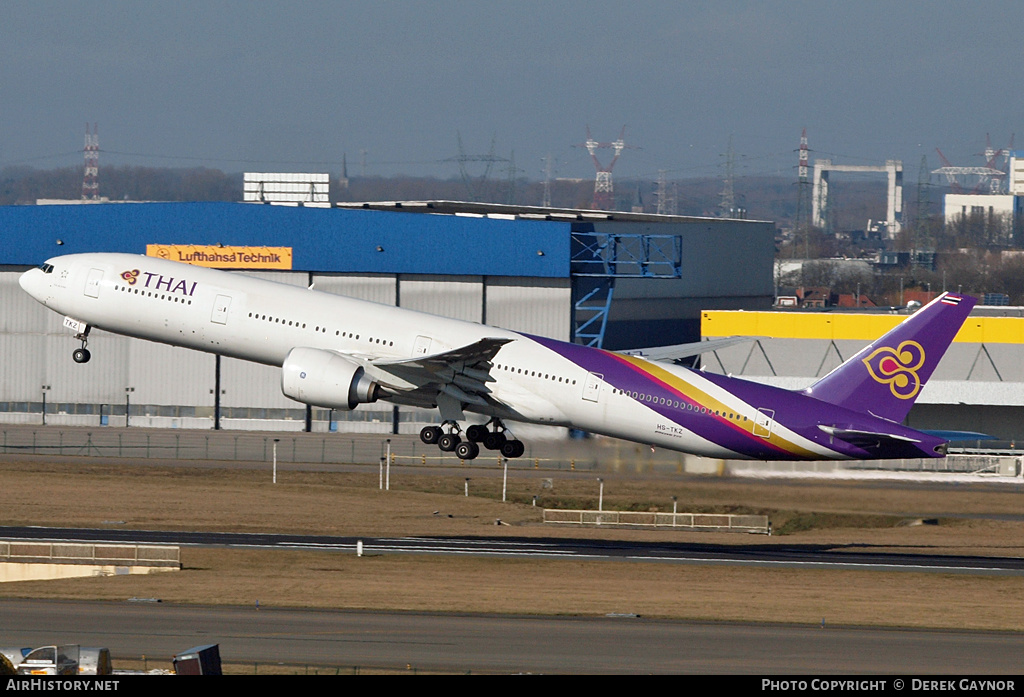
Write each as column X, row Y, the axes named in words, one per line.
column 82, row 355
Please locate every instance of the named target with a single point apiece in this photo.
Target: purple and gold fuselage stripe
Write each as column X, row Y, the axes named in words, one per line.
column 635, row 375
column 699, row 398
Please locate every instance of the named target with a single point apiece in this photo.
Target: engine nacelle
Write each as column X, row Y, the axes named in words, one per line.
column 325, row 379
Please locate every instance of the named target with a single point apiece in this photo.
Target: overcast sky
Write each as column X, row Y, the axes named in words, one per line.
column 291, row 86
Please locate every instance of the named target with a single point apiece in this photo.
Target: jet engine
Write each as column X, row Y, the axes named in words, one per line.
column 323, row 378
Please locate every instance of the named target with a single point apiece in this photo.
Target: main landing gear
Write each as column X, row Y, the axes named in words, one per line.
column 451, row 441
column 82, row 355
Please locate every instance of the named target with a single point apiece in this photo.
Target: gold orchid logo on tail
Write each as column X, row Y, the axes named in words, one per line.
column 898, row 368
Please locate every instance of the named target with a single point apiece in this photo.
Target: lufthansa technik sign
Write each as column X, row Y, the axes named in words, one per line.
column 217, row 257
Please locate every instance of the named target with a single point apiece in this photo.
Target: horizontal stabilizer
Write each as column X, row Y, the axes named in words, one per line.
column 960, row 435
column 679, row 351
column 864, row 439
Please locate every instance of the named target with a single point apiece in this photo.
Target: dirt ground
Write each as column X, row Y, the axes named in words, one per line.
column 910, row 518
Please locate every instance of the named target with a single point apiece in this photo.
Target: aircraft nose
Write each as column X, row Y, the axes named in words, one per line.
column 31, row 282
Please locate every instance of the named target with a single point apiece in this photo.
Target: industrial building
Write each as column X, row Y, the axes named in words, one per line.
column 995, row 210
column 1000, row 207
column 618, row 280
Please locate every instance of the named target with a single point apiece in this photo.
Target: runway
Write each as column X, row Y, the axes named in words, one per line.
column 348, row 640
column 762, row 555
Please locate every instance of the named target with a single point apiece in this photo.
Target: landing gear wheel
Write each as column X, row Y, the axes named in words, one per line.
column 513, row 449
column 467, row 450
column 81, row 355
column 431, row 434
column 494, row 440
column 476, row 433
column 448, row 442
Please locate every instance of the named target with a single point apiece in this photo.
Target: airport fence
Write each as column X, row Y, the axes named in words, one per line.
column 86, row 553
column 1001, row 464
column 716, row 522
column 287, row 448
column 326, row 448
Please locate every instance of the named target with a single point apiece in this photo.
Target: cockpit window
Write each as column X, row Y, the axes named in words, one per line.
column 47, row 268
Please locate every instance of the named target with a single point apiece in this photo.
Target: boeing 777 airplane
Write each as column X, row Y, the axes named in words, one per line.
column 341, row 352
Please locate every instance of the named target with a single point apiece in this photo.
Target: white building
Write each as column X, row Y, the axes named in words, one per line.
column 992, row 206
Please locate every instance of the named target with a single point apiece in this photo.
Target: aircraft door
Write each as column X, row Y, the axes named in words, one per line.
column 763, row 422
column 592, row 387
column 220, row 309
column 422, row 346
column 92, row 283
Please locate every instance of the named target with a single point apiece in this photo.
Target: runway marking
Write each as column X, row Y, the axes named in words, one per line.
column 584, row 550
column 443, row 540
column 448, row 548
column 845, row 564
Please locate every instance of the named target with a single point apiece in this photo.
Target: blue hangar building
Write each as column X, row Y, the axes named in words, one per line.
column 611, row 279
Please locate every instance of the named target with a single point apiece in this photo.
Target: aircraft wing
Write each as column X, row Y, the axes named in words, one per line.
column 461, row 373
column 678, row 351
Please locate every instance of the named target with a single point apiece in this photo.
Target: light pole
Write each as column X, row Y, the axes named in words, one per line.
column 600, row 495
column 127, row 403
column 275, row 459
column 388, row 470
column 46, row 388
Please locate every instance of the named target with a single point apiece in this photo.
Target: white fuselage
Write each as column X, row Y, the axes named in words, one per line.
column 262, row 321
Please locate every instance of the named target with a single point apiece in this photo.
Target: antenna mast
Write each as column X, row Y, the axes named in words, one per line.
column 803, row 196
column 604, row 199
column 728, row 204
column 666, row 194
column 90, row 181
column 548, row 166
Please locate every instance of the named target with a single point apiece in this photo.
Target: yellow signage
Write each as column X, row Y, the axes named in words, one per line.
column 217, row 257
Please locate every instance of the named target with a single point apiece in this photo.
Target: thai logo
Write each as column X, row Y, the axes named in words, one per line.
column 898, row 368
column 130, row 276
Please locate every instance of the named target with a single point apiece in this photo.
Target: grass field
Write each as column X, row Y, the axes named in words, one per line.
column 854, row 516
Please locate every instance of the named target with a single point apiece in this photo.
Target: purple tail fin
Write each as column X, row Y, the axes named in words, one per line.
column 886, row 377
